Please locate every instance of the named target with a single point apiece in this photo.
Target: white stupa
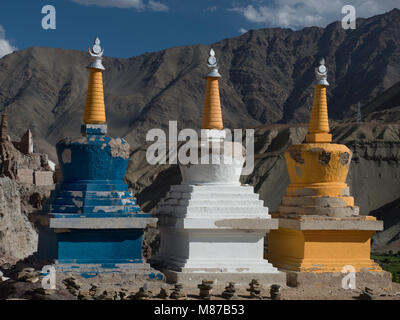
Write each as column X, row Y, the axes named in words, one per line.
column 211, row 227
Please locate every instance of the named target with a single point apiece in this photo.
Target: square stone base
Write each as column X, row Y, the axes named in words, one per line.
column 321, row 250
column 221, row 279
column 91, row 246
column 111, row 273
column 375, row 280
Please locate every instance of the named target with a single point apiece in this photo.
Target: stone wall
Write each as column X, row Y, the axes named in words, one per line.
column 18, row 237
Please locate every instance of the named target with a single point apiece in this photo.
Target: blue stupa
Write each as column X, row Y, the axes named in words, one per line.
column 91, row 221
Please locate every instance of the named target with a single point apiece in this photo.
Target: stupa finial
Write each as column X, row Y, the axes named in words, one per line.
column 318, row 129
column 95, row 110
column 322, row 73
column 97, row 52
column 212, row 63
column 212, row 114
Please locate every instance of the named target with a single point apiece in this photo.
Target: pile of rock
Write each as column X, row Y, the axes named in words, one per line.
column 367, row 294
column 143, row 293
column 275, row 292
column 2, row 278
column 164, row 293
column 177, row 293
column 73, row 285
column 28, row 275
column 205, row 287
column 255, row 289
column 230, row 292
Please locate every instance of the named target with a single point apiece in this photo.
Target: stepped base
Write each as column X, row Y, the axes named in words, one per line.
column 92, row 198
column 373, row 280
column 221, row 279
column 214, row 232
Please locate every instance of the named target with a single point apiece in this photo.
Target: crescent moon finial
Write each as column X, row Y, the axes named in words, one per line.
column 97, row 52
column 321, row 73
column 212, row 63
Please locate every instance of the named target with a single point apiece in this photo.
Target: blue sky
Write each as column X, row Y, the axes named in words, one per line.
column 132, row 27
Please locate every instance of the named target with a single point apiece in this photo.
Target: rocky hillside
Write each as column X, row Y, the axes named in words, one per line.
column 388, row 240
column 267, row 77
column 385, row 107
column 18, row 237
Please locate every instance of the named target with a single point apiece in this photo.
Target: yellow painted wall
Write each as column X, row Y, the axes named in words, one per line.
column 320, row 250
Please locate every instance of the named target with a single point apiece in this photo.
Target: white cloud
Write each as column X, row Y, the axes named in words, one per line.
column 242, row 30
column 135, row 4
column 158, row 6
column 5, row 46
column 302, row 13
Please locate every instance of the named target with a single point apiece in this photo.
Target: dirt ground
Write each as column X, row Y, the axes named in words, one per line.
column 118, row 286
column 131, row 287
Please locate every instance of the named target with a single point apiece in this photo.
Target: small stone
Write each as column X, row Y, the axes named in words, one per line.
column 46, row 292
column 28, row 275
column 143, row 294
column 164, row 293
column 32, row 280
column 72, row 282
column 73, row 291
column 366, row 294
column 93, row 287
column 108, row 295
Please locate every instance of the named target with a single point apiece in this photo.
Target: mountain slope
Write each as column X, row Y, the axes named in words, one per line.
column 267, row 78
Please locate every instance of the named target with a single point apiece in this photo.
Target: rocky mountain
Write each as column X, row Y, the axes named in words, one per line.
column 385, row 107
column 267, row 78
column 18, row 238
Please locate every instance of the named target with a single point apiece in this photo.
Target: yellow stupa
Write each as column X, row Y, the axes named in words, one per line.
column 320, row 229
column 212, row 114
column 95, row 110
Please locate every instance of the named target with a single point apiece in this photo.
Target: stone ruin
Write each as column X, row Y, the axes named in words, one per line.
column 20, row 163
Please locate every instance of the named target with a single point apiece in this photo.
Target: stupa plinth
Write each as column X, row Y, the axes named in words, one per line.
column 91, row 222
column 320, row 228
column 212, row 227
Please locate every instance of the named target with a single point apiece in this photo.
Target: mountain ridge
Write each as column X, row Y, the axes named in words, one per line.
column 267, row 77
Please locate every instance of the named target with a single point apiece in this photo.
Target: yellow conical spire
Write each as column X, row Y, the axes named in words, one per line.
column 95, row 110
column 212, row 114
column 318, row 129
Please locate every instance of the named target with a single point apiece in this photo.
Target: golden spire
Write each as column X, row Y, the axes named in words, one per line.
column 95, row 110
column 212, row 115
column 318, row 129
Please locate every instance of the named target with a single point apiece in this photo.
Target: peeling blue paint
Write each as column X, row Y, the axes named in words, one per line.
column 155, row 276
column 93, row 168
column 88, row 275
